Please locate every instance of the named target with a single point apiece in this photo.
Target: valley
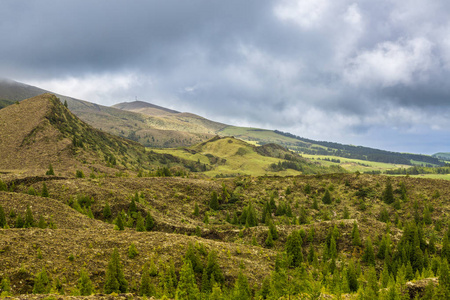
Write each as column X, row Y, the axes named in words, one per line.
column 85, row 212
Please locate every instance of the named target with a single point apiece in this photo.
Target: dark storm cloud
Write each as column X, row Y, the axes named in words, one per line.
column 346, row 71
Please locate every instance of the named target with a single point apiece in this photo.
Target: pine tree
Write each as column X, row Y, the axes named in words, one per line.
column 369, row 256
column 388, row 195
column 149, row 222
column 115, row 280
column 192, row 256
column 85, row 284
column 273, row 230
column 213, row 269
column 241, row 289
column 187, row 287
column 355, row 235
column 140, row 225
column 146, row 287
column 216, row 293
column 5, row 286
column 132, row 251
column 19, row 222
column 445, row 252
column 326, row 199
column 2, row 217
column 41, row 283
column 44, row 192
column 50, row 170
column 444, row 277
column 42, row 224
column 269, row 240
column 352, row 277
column 294, row 248
column 107, row 211
column 196, row 210
column 214, row 201
column 132, row 209
column 119, row 222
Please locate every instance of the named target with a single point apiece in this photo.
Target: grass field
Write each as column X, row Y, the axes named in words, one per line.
column 353, row 165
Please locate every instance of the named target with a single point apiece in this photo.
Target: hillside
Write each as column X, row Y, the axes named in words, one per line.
column 145, row 108
column 227, row 157
column 442, row 155
column 53, row 135
column 240, row 244
column 322, row 236
column 162, row 128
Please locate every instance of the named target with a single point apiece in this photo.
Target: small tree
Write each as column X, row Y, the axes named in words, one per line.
column 269, row 240
column 241, row 289
column 41, row 283
column 107, row 211
column 119, row 222
column 132, row 251
column 115, row 280
column 5, row 286
column 147, row 288
column 44, row 192
column 2, row 217
column 85, row 284
column 196, row 210
column 79, row 174
column 388, row 194
column 369, row 256
column 149, row 222
column 50, row 170
column 326, row 199
column 294, row 248
column 140, row 225
column 187, row 287
column 214, row 201
column 355, row 235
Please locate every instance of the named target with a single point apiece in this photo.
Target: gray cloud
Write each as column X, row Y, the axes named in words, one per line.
column 364, row 72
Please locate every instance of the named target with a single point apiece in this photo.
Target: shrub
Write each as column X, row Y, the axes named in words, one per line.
column 79, row 174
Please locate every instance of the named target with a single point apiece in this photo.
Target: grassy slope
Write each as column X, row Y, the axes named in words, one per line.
column 230, row 156
column 171, row 202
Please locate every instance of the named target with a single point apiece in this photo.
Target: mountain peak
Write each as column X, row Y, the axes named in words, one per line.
column 145, row 108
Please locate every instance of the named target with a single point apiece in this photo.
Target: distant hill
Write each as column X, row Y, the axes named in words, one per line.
column 228, row 156
column 145, row 108
column 147, row 130
column 40, row 131
column 442, row 155
column 156, row 126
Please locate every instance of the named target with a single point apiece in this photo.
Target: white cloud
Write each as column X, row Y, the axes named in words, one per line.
column 306, row 13
column 391, row 63
column 107, row 88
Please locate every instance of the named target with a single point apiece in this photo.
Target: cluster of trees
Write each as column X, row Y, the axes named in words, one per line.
column 132, row 218
column 16, row 220
column 362, row 153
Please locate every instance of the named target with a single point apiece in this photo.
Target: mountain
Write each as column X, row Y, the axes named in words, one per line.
column 147, row 130
column 51, row 134
column 145, row 108
column 155, row 126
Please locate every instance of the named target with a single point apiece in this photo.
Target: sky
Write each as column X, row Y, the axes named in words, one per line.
column 371, row 73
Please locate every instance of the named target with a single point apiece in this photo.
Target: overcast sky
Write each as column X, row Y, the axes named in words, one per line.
column 372, row 73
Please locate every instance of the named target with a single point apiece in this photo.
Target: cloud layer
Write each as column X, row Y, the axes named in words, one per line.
column 360, row 72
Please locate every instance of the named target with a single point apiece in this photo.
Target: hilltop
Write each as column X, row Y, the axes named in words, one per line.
column 145, row 108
